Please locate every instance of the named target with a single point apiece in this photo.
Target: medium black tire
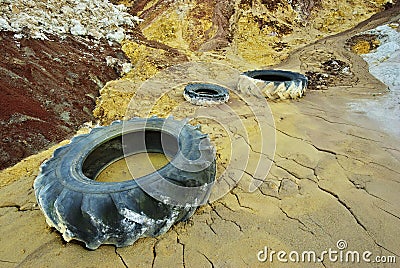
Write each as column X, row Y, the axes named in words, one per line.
column 205, row 94
column 274, row 84
column 119, row 213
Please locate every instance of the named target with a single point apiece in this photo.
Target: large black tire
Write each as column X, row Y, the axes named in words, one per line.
column 121, row 212
column 274, row 84
column 204, row 94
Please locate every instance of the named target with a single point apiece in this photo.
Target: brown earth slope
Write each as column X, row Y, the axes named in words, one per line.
column 47, row 90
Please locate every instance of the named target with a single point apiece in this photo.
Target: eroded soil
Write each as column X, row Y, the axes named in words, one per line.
column 48, row 90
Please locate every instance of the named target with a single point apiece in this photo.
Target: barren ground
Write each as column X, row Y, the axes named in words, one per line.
column 335, row 175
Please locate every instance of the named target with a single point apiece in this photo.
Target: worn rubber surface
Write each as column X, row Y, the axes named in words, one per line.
column 205, row 94
column 274, row 84
column 121, row 212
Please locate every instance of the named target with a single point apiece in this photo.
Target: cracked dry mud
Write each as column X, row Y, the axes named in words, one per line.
column 335, row 175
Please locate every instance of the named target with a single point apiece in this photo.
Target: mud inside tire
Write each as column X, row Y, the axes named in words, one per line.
column 119, row 213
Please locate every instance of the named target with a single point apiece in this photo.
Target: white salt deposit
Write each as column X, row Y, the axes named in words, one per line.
column 384, row 64
column 95, row 18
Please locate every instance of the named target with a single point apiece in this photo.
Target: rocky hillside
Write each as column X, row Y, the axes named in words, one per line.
column 243, row 33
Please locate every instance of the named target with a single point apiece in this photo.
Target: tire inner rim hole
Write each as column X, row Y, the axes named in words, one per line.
column 273, row 78
column 206, row 91
column 130, row 156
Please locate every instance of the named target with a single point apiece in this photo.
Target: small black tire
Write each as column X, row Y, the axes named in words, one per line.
column 119, row 213
column 204, row 94
column 274, row 84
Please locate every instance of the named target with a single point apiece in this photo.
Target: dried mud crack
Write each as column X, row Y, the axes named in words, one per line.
column 345, row 206
column 121, row 258
column 303, row 226
column 11, row 262
column 219, row 215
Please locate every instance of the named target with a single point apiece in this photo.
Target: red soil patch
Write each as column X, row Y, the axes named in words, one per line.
column 48, row 89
